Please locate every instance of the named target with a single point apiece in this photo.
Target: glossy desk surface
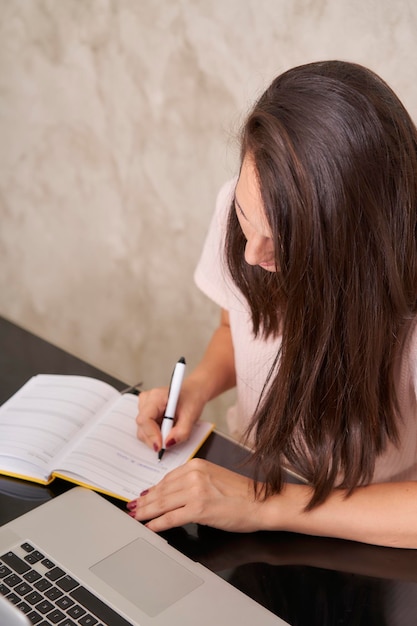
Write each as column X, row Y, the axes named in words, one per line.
column 305, row 580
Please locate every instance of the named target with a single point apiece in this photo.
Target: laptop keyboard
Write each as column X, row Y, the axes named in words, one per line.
column 47, row 594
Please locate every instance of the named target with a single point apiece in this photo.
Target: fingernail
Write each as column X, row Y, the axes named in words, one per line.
column 156, row 447
column 144, row 492
column 131, row 514
column 131, row 505
column 170, row 442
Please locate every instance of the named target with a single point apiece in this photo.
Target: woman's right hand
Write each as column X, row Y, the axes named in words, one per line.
column 214, row 374
column 152, row 406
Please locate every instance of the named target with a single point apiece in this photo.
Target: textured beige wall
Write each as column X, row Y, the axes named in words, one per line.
column 117, row 125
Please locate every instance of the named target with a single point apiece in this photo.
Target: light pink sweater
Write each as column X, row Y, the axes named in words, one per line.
column 254, row 357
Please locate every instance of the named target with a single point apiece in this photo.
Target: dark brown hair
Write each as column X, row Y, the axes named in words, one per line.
column 335, row 154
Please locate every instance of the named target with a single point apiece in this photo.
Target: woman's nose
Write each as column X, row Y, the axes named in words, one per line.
column 255, row 250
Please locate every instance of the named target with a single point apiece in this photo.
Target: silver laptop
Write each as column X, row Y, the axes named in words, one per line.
column 79, row 559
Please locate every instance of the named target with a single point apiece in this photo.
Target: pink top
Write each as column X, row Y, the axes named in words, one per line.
column 254, row 357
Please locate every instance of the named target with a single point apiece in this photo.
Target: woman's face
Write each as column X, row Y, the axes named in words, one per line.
column 259, row 249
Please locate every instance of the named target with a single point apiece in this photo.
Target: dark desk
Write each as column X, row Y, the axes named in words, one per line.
column 305, row 580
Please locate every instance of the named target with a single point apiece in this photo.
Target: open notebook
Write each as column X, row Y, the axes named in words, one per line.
column 83, row 430
column 103, row 567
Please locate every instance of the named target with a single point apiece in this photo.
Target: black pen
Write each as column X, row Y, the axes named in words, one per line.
column 174, row 392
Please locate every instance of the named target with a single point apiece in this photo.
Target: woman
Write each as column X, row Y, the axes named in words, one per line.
column 318, row 289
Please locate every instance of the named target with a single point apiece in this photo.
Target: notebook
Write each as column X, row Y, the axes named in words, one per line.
column 97, row 566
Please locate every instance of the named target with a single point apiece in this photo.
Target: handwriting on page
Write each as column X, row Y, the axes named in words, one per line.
column 114, row 459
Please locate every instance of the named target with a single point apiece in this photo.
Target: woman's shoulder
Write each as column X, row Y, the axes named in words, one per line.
column 227, row 189
column 224, row 199
column 211, row 274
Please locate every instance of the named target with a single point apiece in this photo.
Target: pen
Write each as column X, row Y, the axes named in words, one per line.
column 174, row 392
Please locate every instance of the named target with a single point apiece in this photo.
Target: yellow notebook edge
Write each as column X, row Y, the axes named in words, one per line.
column 80, row 483
column 30, row 479
column 203, row 440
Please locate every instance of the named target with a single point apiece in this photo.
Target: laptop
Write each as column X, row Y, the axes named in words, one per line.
column 78, row 559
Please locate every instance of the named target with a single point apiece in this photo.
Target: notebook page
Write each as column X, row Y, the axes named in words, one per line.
column 43, row 416
column 111, row 458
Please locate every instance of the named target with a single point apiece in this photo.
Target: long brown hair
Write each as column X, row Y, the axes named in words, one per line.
column 335, row 154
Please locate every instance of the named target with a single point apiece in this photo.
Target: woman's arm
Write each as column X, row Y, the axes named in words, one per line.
column 216, row 371
column 214, row 374
column 381, row 514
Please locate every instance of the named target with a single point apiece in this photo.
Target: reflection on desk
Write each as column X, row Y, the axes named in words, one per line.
column 307, row 581
column 310, row 580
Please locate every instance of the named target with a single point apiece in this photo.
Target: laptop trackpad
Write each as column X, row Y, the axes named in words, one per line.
column 147, row 577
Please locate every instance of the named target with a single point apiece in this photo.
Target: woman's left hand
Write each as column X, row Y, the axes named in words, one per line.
column 200, row 492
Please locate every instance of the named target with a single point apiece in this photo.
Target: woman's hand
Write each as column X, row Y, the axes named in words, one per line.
column 209, row 494
column 200, row 492
column 152, row 406
column 214, row 374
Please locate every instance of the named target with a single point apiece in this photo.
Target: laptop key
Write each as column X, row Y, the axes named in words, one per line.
column 96, row 606
column 67, row 583
column 24, row 607
column 42, row 584
column 13, row 598
column 4, row 571
column 23, row 589
column 34, row 557
column 76, row 611
column 31, row 576
column 12, row 580
column 33, row 598
column 53, row 593
column 16, row 563
column 55, row 616
column 88, row 620
column 27, row 547
column 44, row 606
column 64, row 603
column 34, row 617
column 4, row 589
column 55, row 573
